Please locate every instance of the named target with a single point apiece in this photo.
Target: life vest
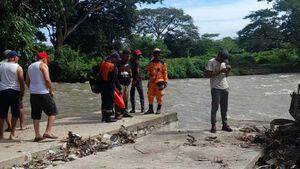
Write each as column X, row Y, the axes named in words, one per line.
column 107, row 68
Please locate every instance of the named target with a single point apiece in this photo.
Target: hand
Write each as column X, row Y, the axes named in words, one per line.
column 228, row 67
column 223, row 70
column 51, row 93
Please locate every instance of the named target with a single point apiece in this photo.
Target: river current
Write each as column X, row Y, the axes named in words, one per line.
column 259, row 97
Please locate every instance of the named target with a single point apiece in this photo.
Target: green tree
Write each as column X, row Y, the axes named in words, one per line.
column 158, row 22
column 17, row 31
column 262, row 33
column 146, row 45
column 62, row 17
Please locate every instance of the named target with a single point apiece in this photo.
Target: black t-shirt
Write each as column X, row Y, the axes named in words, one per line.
column 135, row 66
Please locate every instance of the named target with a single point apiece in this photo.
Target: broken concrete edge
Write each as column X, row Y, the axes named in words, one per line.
column 149, row 126
column 252, row 162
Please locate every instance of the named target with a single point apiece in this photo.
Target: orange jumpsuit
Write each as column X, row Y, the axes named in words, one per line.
column 157, row 72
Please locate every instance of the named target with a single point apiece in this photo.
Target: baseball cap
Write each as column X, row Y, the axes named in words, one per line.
column 137, row 52
column 13, row 54
column 224, row 55
column 115, row 56
column 42, row 55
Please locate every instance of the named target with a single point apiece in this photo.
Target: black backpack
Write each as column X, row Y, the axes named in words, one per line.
column 95, row 79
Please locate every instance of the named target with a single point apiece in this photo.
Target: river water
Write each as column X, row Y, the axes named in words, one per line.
column 259, row 97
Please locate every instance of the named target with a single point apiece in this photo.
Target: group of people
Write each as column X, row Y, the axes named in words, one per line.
column 12, row 89
column 118, row 73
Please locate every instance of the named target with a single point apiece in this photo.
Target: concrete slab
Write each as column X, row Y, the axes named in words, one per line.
column 166, row 149
column 13, row 152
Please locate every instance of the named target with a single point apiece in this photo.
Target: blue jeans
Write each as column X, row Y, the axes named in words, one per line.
column 219, row 97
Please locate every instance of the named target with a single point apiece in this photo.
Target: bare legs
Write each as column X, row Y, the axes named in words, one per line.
column 48, row 131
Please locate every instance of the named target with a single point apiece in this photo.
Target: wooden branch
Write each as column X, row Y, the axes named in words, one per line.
column 72, row 28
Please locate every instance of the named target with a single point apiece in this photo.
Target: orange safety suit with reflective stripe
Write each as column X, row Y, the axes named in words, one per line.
column 157, row 72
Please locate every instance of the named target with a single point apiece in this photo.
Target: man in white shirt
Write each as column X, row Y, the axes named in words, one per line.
column 217, row 70
column 41, row 96
column 12, row 88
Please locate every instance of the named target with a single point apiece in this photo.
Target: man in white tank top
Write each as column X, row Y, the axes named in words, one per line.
column 41, row 95
column 12, row 88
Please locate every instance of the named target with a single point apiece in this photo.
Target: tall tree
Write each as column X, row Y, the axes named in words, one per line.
column 263, row 33
column 17, row 30
column 158, row 22
column 62, row 17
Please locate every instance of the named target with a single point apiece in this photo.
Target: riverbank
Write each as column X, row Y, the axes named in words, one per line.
column 16, row 152
column 169, row 148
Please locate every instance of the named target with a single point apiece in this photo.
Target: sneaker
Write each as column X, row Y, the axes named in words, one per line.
column 142, row 110
column 158, row 111
column 127, row 115
column 150, row 111
column 213, row 129
column 226, row 128
column 132, row 111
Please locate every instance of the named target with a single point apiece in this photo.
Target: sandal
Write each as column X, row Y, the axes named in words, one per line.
column 38, row 139
column 50, row 136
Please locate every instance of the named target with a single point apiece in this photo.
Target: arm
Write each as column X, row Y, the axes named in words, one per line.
column 116, row 80
column 209, row 73
column 45, row 71
column 27, row 79
column 21, row 81
column 165, row 72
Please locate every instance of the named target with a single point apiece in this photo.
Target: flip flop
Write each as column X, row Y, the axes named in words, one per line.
column 38, row 139
column 50, row 136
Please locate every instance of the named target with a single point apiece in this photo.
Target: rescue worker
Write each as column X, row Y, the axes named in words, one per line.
column 136, row 81
column 158, row 79
column 124, row 77
column 109, row 73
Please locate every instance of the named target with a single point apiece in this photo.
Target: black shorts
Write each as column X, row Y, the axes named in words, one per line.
column 9, row 98
column 42, row 102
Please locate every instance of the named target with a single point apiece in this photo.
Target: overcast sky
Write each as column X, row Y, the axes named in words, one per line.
column 216, row 16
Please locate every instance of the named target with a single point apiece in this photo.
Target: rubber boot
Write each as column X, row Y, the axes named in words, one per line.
column 108, row 118
column 158, row 110
column 150, row 110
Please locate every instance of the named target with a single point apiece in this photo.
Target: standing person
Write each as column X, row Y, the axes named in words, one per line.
column 8, row 119
column 12, row 88
column 109, row 75
column 41, row 96
column 217, row 70
column 124, row 77
column 158, row 79
column 136, row 81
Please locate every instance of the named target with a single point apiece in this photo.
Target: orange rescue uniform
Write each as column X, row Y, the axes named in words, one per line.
column 157, row 72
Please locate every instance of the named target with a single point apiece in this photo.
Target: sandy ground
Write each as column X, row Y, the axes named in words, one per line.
column 168, row 148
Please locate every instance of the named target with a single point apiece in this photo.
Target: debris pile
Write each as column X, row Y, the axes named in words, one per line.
column 282, row 145
column 190, row 140
column 282, row 140
column 77, row 147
